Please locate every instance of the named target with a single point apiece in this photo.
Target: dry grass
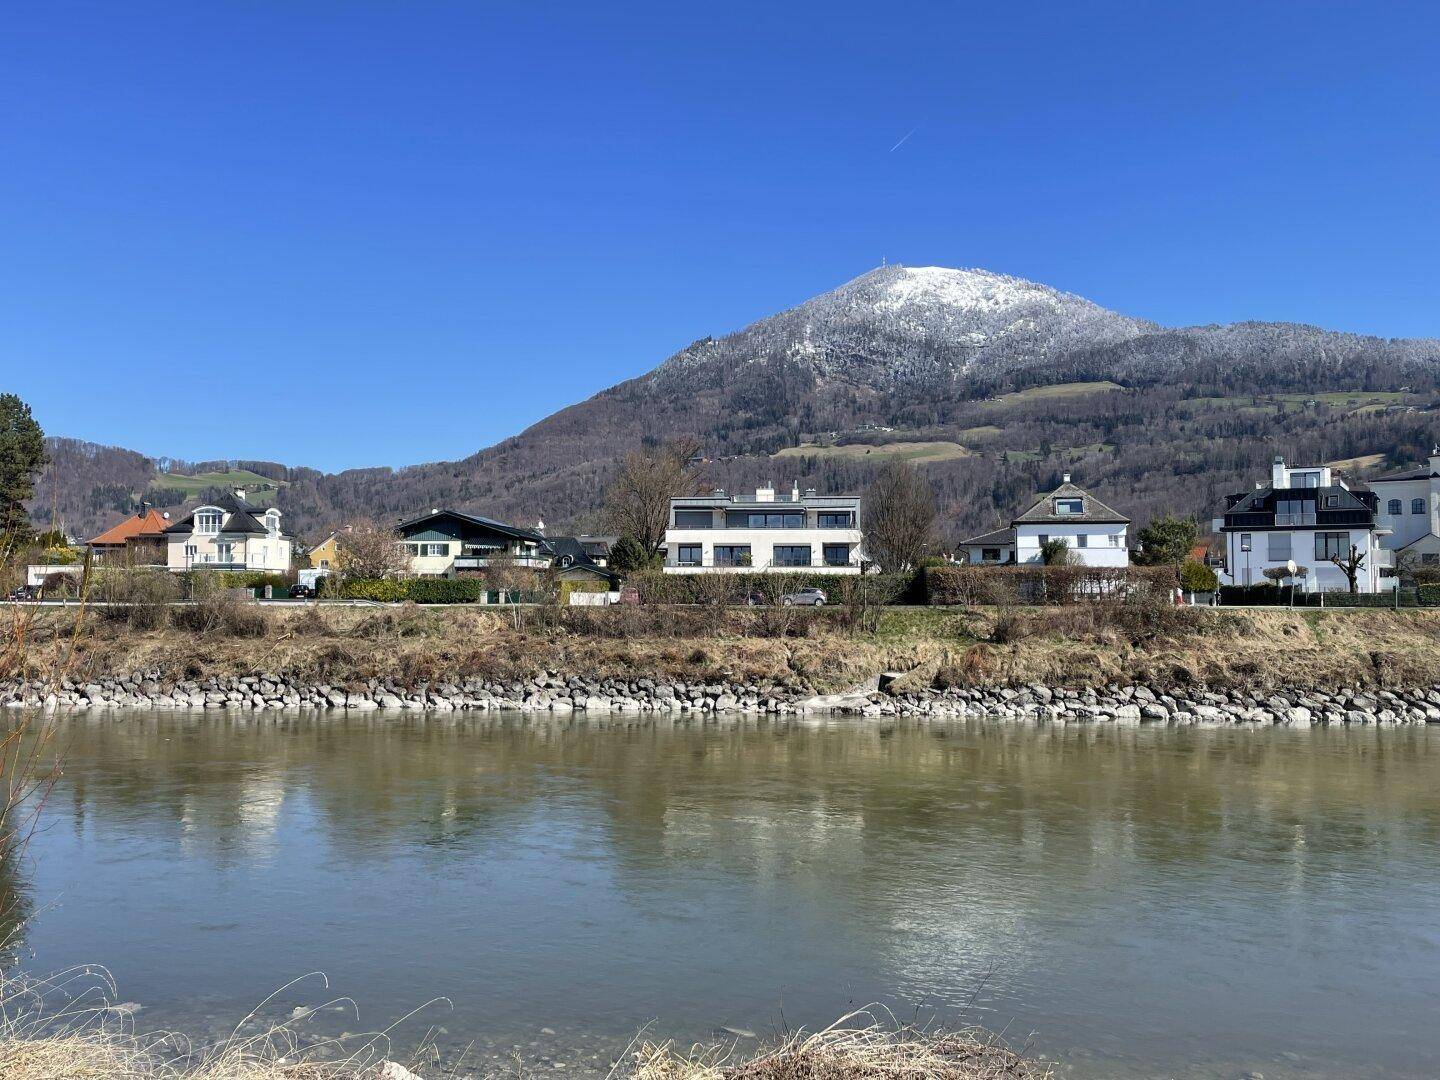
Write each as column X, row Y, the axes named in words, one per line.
column 65, row 1029
column 871, row 1052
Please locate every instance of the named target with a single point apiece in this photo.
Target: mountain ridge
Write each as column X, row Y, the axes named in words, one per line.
column 920, row 351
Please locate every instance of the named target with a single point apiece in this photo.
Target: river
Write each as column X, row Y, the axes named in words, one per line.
column 1133, row 902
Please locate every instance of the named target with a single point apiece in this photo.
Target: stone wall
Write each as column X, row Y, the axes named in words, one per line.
column 558, row 693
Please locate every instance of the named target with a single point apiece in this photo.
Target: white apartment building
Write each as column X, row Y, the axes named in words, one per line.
column 1305, row 515
column 229, row 534
column 722, row 532
column 1095, row 534
column 1409, row 507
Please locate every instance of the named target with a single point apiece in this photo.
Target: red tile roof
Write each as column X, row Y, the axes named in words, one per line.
column 149, row 524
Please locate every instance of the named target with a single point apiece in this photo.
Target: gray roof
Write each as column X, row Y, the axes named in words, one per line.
column 1095, row 512
column 998, row 538
column 1423, row 472
column 239, row 517
column 483, row 522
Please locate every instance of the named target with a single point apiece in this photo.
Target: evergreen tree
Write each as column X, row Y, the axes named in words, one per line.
column 22, row 454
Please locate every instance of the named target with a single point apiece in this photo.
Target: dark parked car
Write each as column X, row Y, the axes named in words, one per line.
column 301, row 591
column 805, row 598
column 755, row 598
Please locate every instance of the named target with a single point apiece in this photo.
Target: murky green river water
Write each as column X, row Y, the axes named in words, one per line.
column 1146, row 902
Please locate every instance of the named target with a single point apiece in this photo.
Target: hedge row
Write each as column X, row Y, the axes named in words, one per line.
column 1002, row 585
column 659, row 588
column 1429, row 594
column 418, row 590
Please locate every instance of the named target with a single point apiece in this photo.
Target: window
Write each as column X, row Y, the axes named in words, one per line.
column 1332, row 501
column 829, row 519
column 324, row 564
column 1394, row 506
column 694, row 519
column 1069, row 506
column 1429, row 560
column 753, row 520
column 190, row 550
column 1331, row 545
column 272, row 522
column 208, row 521
column 1305, row 479
column 688, row 555
column 1279, row 548
column 1417, row 506
column 1294, row 512
column 1114, row 539
column 732, row 554
column 986, row 555
column 1082, row 540
column 224, row 553
column 1043, row 539
column 839, row 554
column 792, row 555
column 1245, row 541
column 429, row 550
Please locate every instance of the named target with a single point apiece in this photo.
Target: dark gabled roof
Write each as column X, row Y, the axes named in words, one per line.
column 1419, row 540
column 1000, row 537
column 1254, row 501
column 1423, row 472
column 1096, row 512
column 239, row 516
column 483, row 522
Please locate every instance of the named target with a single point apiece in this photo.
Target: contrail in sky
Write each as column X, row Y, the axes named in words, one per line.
column 904, row 137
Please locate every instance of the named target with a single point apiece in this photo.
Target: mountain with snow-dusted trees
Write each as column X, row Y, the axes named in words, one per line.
column 992, row 383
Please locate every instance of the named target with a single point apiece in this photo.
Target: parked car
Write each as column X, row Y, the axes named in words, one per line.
column 301, row 591
column 756, row 598
column 805, row 598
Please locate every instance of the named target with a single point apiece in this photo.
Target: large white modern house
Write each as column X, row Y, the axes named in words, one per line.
column 1308, row 516
column 1094, row 533
column 768, row 532
column 228, row 534
column 1409, row 507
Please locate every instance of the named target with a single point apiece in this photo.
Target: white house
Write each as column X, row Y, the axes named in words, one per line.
column 1095, row 534
column 1409, row 507
column 228, row 534
column 1308, row 516
column 769, row 532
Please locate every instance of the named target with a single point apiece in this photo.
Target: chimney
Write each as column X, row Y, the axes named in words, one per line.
column 240, row 494
column 540, row 525
column 1065, row 478
column 1277, row 473
column 810, row 493
column 1435, row 459
column 766, row 493
column 795, row 491
column 166, row 515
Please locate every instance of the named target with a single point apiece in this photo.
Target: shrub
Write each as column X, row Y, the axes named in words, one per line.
column 1039, row 584
column 659, row 588
column 1429, row 594
column 383, row 590
column 138, row 599
column 223, row 612
column 443, row 590
column 1197, row 577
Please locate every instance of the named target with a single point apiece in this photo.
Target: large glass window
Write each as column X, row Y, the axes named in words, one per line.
column 694, row 519
column 688, row 555
column 1069, row 506
column 1305, row 479
column 207, row 521
column 732, row 554
column 1331, row 545
column 754, row 519
column 1280, row 548
column 839, row 554
column 1294, row 512
column 792, row 554
column 833, row 519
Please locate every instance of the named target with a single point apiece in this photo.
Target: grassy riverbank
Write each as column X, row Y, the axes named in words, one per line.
column 823, row 651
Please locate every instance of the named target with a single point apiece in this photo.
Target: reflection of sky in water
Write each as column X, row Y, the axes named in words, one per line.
column 1126, row 893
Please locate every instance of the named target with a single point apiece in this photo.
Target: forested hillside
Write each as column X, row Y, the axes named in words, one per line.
column 993, row 384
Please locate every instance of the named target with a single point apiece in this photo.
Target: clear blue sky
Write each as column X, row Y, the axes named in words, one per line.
column 357, row 233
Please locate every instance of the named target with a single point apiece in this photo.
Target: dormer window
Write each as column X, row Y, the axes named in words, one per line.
column 272, row 522
column 208, row 521
column 1069, row 506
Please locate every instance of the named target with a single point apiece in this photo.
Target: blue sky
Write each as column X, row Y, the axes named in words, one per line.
column 361, row 233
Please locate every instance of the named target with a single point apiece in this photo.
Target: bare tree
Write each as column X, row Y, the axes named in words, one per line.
column 637, row 502
column 1350, row 565
column 367, row 549
column 508, row 578
column 899, row 517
